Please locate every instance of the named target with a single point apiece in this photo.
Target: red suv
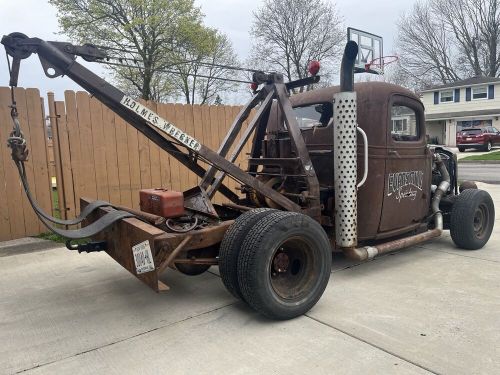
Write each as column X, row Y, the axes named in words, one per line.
column 479, row 139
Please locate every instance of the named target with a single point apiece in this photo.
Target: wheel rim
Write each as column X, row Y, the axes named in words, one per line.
column 481, row 220
column 292, row 269
column 489, row 146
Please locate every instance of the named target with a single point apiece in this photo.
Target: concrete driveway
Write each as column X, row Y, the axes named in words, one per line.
column 429, row 309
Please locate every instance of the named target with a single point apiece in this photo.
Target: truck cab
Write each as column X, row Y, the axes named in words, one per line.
column 396, row 195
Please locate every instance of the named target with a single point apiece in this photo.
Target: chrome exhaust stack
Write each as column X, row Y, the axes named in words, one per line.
column 345, row 173
column 345, row 153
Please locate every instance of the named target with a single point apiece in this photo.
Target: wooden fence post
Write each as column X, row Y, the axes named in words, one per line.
column 56, row 144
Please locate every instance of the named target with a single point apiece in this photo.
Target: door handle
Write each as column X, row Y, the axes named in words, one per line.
column 365, row 144
column 395, row 153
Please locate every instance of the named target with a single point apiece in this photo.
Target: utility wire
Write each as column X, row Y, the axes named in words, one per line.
column 197, row 61
column 175, row 72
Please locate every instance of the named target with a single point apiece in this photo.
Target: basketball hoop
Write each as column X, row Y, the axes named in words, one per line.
column 376, row 66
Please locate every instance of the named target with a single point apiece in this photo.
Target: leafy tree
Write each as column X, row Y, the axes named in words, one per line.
column 289, row 33
column 149, row 36
column 441, row 41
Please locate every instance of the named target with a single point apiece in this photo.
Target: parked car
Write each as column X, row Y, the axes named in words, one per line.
column 479, row 139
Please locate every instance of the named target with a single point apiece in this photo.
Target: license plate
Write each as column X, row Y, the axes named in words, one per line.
column 468, row 139
column 143, row 258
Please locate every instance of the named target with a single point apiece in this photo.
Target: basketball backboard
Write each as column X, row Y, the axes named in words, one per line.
column 371, row 47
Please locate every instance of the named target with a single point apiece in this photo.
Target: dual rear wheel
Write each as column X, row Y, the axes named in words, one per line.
column 278, row 262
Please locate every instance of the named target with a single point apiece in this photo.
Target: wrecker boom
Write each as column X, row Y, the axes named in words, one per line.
column 58, row 59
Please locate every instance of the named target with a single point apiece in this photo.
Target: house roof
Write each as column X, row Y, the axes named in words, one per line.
column 480, row 80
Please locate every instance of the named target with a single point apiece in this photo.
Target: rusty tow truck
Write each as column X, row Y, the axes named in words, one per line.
column 343, row 168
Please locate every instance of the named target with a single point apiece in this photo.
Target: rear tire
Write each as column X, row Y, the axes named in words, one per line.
column 472, row 219
column 284, row 265
column 488, row 147
column 231, row 245
column 192, row 269
column 461, row 149
column 197, row 269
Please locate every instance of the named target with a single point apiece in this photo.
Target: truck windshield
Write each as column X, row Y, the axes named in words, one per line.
column 314, row 115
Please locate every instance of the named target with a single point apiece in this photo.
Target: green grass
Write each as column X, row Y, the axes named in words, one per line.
column 489, row 156
column 52, row 237
column 55, row 207
column 57, row 213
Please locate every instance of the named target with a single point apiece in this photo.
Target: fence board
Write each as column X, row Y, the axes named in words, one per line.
column 4, row 209
column 123, row 164
column 12, row 223
column 165, row 162
column 32, row 225
column 74, row 148
column 66, row 184
column 38, row 149
column 13, row 189
column 154, row 157
column 56, row 139
column 144, row 157
column 87, row 168
column 180, row 122
column 134, row 166
column 109, row 128
column 175, row 166
column 99, row 149
column 198, row 129
column 189, row 128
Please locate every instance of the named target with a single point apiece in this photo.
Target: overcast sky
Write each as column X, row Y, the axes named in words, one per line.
column 37, row 18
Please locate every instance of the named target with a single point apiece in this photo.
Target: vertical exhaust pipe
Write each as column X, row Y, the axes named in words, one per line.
column 345, row 173
column 345, row 153
column 347, row 66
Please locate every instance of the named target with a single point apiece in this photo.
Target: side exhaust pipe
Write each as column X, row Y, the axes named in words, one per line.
column 369, row 252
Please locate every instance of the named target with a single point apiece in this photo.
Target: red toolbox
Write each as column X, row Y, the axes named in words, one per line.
column 162, row 202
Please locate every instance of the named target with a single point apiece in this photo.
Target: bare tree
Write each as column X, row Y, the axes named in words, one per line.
column 289, row 33
column 203, row 77
column 441, row 41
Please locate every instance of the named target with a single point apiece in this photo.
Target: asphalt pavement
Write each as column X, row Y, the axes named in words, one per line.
column 426, row 310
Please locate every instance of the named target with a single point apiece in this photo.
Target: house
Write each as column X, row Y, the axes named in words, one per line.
column 473, row 102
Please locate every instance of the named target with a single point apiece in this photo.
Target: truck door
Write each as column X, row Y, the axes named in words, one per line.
column 408, row 166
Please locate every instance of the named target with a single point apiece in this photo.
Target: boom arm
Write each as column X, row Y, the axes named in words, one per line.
column 59, row 59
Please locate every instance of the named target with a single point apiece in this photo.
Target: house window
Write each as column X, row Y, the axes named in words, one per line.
column 400, row 125
column 404, row 124
column 446, row 96
column 480, row 92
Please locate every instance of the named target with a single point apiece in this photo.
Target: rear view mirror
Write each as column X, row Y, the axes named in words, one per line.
column 318, row 108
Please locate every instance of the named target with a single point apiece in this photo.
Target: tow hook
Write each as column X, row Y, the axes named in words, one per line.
column 89, row 247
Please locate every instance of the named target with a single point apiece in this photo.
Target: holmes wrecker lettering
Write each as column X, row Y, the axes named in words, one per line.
column 160, row 123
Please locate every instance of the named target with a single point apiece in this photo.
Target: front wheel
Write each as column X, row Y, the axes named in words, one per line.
column 488, row 147
column 472, row 219
column 461, row 149
column 284, row 265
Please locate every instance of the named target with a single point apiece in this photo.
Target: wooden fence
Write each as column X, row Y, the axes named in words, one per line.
column 95, row 155
column 16, row 216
